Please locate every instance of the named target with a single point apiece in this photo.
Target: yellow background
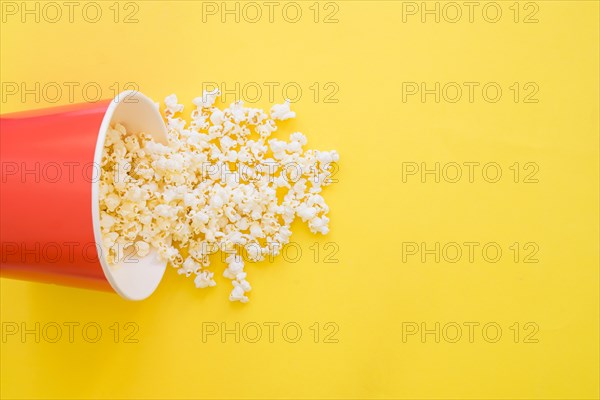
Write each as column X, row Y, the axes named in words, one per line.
column 371, row 291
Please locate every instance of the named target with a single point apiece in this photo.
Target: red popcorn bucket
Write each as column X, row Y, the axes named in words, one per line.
column 49, row 208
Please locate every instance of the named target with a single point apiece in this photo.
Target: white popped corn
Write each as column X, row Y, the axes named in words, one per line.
column 213, row 187
column 282, row 111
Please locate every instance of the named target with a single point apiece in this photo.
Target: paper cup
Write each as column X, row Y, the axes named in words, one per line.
column 49, row 209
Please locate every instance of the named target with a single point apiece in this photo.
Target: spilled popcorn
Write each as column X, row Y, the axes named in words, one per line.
column 219, row 184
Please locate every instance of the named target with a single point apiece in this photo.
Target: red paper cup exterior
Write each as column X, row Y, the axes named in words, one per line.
column 49, row 213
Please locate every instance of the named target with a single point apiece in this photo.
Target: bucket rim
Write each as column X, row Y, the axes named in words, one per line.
column 132, row 278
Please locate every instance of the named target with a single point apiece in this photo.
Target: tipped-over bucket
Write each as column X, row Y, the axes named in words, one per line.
column 49, row 208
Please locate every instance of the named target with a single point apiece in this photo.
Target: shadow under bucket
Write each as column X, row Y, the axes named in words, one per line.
column 49, row 208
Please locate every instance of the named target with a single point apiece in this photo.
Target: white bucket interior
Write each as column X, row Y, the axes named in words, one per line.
column 131, row 277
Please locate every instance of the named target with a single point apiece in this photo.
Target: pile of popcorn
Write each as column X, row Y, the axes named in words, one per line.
column 220, row 184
